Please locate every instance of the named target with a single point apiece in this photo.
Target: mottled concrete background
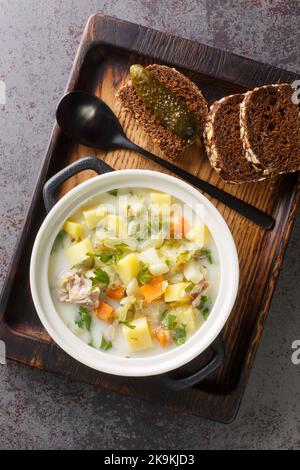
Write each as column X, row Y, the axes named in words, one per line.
column 38, row 39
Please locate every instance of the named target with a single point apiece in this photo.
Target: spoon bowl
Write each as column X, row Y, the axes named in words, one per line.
column 86, row 119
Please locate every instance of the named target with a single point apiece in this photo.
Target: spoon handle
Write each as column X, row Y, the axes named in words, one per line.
column 243, row 208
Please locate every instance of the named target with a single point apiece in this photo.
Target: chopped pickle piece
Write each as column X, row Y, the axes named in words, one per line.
column 171, row 110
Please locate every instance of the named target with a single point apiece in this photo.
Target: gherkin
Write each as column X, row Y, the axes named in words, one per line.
column 170, row 110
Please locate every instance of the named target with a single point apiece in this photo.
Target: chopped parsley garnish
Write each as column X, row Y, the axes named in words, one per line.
column 189, row 288
column 100, row 277
column 204, row 306
column 121, row 245
column 203, row 301
column 169, row 322
column 207, row 254
column 118, row 256
column 84, row 320
column 105, row 344
column 107, row 257
column 144, row 276
column 113, row 192
column 179, row 336
column 126, row 323
column 58, row 241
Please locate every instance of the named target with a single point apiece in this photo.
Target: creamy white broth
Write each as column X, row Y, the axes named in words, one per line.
column 154, row 312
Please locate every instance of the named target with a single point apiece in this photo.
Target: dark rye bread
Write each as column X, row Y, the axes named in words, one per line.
column 223, row 143
column 170, row 144
column 270, row 129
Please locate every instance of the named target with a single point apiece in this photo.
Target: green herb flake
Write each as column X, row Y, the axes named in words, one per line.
column 204, row 306
column 189, row 288
column 113, row 192
column 117, row 256
column 179, row 336
column 169, row 322
column 107, row 257
column 144, row 276
column 205, row 313
column 121, row 245
column 84, row 320
column 105, row 344
column 163, row 315
column 100, row 277
column 203, row 301
column 58, row 241
column 126, row 323
column 207, row 254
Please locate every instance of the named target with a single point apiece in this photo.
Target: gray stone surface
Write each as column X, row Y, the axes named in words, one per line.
column 38, row 39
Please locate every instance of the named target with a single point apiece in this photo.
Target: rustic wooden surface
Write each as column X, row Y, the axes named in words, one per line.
column 102, row 69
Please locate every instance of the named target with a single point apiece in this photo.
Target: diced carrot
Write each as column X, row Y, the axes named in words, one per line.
column 179, row 226
column 161, row 336
column 116, row 293
column 153, row 289
column 105, row 312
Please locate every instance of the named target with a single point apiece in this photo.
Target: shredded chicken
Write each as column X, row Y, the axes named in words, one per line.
column 75, row 288
column 197, row 292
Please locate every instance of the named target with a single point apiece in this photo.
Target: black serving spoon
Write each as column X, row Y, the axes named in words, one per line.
column 86, row 119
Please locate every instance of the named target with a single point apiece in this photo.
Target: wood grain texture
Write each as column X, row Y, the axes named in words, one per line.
column 108, row 47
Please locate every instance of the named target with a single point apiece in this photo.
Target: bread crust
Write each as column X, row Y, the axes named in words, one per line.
column 215, row 156
column 252, row 156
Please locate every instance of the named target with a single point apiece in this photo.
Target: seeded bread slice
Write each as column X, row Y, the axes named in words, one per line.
column 223, row 143
column 270, row 129
column 170, row 144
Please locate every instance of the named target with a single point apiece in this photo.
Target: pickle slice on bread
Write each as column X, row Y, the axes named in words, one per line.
column 183, row 88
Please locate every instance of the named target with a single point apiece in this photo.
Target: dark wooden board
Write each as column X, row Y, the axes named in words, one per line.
column 101, row 65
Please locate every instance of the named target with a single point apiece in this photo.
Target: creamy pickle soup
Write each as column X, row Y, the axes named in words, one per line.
column 134, row 272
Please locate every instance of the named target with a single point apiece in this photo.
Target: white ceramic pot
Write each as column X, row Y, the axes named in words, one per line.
column 101, row 361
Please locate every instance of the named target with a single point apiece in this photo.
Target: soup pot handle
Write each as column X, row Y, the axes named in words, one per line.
column 186, row 382
column 87, row 163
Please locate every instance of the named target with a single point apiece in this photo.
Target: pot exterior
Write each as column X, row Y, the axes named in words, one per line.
column 150, row 365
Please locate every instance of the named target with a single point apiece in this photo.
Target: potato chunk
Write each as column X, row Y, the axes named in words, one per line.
column 176, row 292
column 186, row 316
column 78, row 253
column 93, row 216
column 74, row 229
column 192, row 271
column 199, row 234
column 160, row 198
column 138, row 338
column 128, row 268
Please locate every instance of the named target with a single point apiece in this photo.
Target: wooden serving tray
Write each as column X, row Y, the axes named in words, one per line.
column 108, row 47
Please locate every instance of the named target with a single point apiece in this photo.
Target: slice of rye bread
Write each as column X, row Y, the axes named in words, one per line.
column 223, row 143
column 270, row 129
column 169, row 143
